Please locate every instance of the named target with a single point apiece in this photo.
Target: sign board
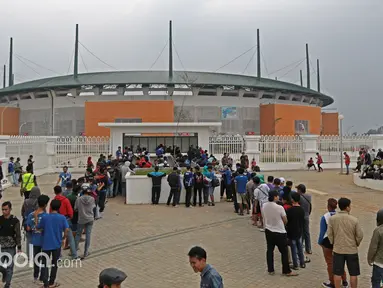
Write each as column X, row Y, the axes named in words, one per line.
column 229, row 113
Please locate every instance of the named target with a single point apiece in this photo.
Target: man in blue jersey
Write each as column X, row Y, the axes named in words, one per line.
column 156, row 181
column 33, row 220
column 188, row 183
column 54, row 226
column 64, row 177
column 240, row 184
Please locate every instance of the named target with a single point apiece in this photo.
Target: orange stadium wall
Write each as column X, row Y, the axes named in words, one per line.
column 11, row 118
column 148, row 111
column 280, row 119
column 330, row 124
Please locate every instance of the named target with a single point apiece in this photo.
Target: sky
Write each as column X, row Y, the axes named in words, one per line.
column 346, row 35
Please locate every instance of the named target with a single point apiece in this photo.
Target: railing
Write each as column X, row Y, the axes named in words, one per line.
column 234, row 145
column 281, row 149
column 74, row 151
column 24, row 146
column 329, row 146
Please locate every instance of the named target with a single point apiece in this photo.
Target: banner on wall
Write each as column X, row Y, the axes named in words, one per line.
column 229, row 113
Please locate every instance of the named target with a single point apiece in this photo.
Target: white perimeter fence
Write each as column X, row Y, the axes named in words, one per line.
column 271, row 152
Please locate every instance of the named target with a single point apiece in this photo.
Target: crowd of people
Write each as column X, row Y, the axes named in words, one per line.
column 276, row 208
column 369, row 164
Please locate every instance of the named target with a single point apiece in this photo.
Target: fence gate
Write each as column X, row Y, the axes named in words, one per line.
column 330, row 149
column 24, row 146
column 281, row 149
column 232, row 144
column 74, row 151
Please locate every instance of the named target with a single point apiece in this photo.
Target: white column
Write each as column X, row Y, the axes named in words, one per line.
column 377, row 141
column 203, row 138
column 51, row 153
column 3, row 157
column 310, row 147
column 252, row 147
column 116, row 135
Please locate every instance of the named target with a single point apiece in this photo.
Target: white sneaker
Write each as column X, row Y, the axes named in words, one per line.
column 261, row 230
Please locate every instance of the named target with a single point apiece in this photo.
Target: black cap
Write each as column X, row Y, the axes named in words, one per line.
column 301, row 188
column 110, row 276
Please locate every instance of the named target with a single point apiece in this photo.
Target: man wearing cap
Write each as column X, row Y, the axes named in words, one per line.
column 305, row 203
column 111, row 278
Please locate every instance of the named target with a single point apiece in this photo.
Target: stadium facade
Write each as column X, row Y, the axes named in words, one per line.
column 57, row 105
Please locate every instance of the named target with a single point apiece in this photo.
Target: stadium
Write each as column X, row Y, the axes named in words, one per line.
column 72, row 105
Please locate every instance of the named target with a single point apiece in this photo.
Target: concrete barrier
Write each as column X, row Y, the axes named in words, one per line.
column 368, row 183
column 139, row 190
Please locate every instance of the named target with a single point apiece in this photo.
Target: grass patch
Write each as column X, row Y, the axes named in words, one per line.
column 167, row 171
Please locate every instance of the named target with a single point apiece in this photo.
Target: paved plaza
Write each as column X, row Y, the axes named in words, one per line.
column 150, row 243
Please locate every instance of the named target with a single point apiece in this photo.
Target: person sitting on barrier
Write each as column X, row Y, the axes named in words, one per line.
column 368, row 172
column 310, row 164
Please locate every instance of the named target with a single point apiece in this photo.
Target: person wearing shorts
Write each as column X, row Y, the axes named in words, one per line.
column 240, row 183
column 345, row 233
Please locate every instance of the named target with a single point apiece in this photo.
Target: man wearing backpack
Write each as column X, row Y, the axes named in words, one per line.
column 305, row 203
column 188, row 183
column 66, row 210
column 32, row 221
column 198, row 186
column 29, row 205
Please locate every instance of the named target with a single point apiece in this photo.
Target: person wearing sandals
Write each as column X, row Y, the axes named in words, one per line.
column 275, row 219
column 327, row 247
column 240, row 184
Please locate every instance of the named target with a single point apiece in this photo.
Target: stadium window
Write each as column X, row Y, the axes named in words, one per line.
column 128, row 120
column 301, row 127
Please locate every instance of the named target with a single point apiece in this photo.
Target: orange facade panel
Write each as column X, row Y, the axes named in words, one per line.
column 285, row 119
column 147, row 111
column 10, row 117
column 330, row 124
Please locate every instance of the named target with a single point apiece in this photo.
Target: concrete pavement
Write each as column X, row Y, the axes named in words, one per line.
column 150, row 243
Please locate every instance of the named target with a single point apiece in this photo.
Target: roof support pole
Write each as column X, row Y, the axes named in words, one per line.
column 318, row 75
column 170, row 50
column 4, row 75
column 308, row 66
column 10, row 80
column 301, row 77
column 75, row 66
column 258, row 56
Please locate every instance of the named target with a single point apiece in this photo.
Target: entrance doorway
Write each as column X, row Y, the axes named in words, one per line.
column 152, row 142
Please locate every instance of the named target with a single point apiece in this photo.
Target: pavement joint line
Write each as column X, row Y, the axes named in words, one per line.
column 317, row 192
column 107, row 250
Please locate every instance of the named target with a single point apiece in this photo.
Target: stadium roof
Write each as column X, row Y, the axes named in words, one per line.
column 196, row 79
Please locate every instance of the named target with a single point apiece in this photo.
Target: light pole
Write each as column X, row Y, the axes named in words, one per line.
column 348, row 129
column 2, row 115
column 341, row 117
column 21, row 126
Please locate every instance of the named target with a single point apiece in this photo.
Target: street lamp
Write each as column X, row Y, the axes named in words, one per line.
column 2, row 115
column 21, row 126
column 341, row 117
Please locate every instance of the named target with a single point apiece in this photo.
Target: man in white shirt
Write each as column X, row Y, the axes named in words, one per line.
column 274, row 219
column 261, row 196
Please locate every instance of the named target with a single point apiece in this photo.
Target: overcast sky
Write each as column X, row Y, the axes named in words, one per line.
column 346, row 35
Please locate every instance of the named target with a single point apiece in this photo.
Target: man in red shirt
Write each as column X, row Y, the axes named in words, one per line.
column 67, row 211
column 319, row 162
column 347, row 162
